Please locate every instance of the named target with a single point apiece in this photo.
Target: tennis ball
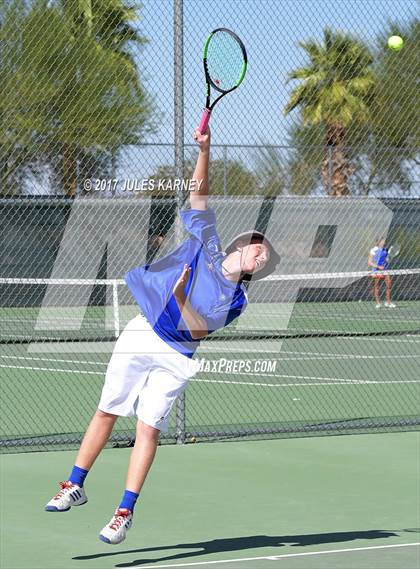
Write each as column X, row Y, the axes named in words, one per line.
column 395, row 43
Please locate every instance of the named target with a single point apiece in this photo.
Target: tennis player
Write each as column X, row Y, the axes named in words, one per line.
column 183, row 297
column 378, row 261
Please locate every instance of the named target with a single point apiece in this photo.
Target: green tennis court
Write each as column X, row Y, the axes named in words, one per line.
column 308, row 503
column 244, row 387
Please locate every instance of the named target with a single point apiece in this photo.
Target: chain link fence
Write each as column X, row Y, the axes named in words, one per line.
column 318, row 148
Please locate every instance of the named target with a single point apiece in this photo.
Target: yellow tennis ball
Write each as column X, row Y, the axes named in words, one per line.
column 395, row 43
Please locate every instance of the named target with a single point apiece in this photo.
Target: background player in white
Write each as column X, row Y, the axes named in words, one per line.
column 378, row 261
column 183, row 297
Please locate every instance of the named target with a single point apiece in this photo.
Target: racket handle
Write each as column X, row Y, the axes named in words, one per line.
column 205, row 117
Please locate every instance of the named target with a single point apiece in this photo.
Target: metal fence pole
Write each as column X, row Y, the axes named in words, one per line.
column 225, row 150
column 116, row 308
column 179, row 162
column 330, row 169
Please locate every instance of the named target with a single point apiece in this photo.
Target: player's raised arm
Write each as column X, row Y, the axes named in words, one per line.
column 200, row 193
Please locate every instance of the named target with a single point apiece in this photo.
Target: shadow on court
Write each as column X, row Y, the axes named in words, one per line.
column 224, row 545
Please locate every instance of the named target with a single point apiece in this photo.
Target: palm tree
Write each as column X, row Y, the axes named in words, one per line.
column 335, row 93
column 112, row 25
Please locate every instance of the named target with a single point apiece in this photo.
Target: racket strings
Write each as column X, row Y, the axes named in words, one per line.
column 225, row 61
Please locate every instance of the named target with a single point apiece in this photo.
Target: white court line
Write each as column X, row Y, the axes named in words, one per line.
column 45, row 360
column 216, row 347
column 342, row 357
column 327, row 381
column 260, row 384
column 324, row 381
column 316, row 332
column 78, row 371
column 306, row 356
column 347, row 318
column 276, row 557
column 330, row 382
column 275, row 375
column 329, row 355
column 280, row 352
column 355, row 355
column 382, row 339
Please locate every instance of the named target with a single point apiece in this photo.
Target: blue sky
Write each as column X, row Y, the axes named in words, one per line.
column 271, row 30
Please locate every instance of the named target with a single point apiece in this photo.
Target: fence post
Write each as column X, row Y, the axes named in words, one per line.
column 179, row 163
column 116, row 308
column 330, row 170
column 225, row 170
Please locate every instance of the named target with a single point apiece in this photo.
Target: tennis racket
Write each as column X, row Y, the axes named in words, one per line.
column 225, row 63
column 393, row 252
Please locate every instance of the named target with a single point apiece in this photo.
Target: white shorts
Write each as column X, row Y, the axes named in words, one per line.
column 144, row 376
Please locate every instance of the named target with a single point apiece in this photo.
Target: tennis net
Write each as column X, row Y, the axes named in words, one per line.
column 256, row 388
column 280, row 306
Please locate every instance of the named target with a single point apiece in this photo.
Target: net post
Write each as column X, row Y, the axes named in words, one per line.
column 178, row 16
column 116, row 308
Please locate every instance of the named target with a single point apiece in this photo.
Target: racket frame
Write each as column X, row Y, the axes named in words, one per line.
column 205, row 117
column 393, row 251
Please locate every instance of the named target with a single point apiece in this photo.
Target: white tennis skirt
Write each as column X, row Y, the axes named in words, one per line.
column 144, row 376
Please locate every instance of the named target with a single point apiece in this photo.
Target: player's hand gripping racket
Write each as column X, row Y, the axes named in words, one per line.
column 225, row 64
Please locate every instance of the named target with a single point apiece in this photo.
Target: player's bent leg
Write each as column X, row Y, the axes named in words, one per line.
column 141, row 460
column 156, row 399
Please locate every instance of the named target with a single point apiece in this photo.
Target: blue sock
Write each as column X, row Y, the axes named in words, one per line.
column 78, row 476
column 129, row 500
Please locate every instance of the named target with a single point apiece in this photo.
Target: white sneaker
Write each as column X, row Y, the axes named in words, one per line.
column 116, row 531
column 69, row 495
column 390, row 305
column 378, row 305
